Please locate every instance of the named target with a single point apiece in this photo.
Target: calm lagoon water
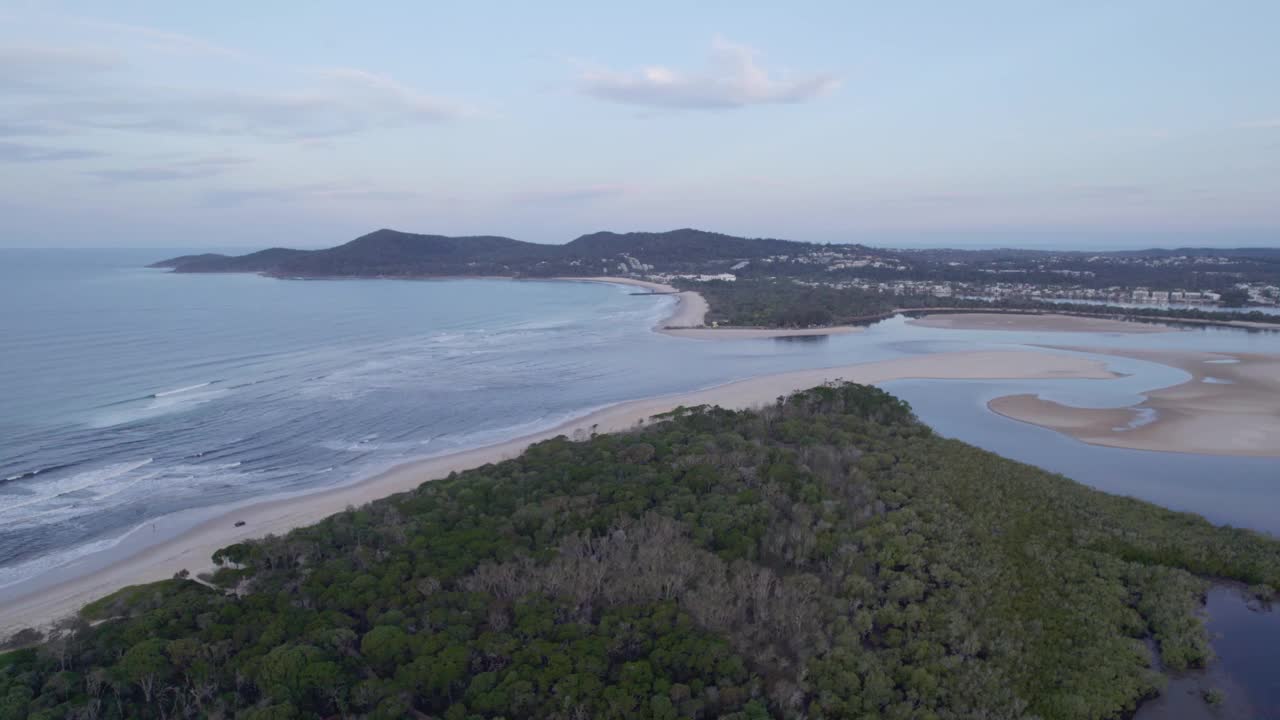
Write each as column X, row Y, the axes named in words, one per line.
column 139, row 401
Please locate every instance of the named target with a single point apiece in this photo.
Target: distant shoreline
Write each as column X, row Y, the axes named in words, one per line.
column 192, row 549
column 1028, row 322
column 689, row 320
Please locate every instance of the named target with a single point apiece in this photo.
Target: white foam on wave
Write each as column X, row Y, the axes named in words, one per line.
column 157, row 405
column 1224, row 361
column 113, row 486
column 47, row 490
column 1217, row 381
column 178, row 391
column 14, row 574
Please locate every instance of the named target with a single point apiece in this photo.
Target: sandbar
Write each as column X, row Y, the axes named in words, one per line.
column 746, row 333
column 1029, row 322
column 192, row 549
column 1230, row 406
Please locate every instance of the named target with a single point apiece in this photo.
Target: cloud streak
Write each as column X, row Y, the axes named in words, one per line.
column 734, row 79
column 65, row 90
column 47, row 69
column 301, row 194
column 22, row 153
column 568, row 195
column 342, row 102
column 186, row 169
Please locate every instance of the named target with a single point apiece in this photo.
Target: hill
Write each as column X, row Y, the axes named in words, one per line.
column 386, row 253
column 827, row 556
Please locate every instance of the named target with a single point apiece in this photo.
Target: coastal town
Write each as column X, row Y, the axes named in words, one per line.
column 1196, row 279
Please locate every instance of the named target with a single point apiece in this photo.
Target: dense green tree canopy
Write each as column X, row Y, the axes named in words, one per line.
column 825, row 557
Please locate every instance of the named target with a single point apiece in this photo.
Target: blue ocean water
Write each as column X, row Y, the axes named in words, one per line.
column 131, row 394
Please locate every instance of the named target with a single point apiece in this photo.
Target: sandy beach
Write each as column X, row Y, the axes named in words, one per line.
column 743, row 333
column 690, row 310
column 1230, row 406
column 1034, row 323
column 192, row 549
column 689, row 317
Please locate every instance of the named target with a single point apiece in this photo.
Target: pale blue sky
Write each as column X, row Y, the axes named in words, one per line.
column 1064, row 124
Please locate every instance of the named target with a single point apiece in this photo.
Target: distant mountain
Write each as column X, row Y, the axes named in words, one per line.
column 189, row 260
column 686, row 245
column 393, row 253
column 380, row 253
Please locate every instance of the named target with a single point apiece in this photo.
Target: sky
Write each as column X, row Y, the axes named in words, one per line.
column 1069, row 124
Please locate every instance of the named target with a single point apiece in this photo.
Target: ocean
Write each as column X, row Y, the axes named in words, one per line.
column 131, row 394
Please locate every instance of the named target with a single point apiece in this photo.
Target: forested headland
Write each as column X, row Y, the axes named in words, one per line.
column 827, row 556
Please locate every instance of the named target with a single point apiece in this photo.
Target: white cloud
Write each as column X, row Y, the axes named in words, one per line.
column 734, row 79
column 64, row 90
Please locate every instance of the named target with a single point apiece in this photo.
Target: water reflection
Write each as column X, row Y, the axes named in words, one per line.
column 1245, row 637
column 802, row 339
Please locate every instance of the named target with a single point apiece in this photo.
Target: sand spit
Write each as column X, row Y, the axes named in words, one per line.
column 1230, row 406
column 1034, row 323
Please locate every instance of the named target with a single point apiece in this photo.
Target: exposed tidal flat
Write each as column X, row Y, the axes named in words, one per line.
column 144, row 407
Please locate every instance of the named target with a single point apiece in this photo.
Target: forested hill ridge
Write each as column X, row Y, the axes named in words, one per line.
column 687, row 251
column 393, row 253
column 824, row 557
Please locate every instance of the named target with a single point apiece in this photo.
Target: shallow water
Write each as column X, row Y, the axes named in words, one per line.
column 1245, row 638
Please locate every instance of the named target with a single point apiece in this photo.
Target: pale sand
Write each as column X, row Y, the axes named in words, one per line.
column 690, row 316
column 1034, row 323
column 745, row 333
column 690, row 310
column 1224, row 409
column 192, row 549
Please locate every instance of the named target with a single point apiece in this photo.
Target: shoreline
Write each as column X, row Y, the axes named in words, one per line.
column 1027, row 322
column 1229, row 406
column 699, row 325
column 1131, row 320
column 691, row 307
column 689, row 318
column 192, row 549
column 735, row 332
